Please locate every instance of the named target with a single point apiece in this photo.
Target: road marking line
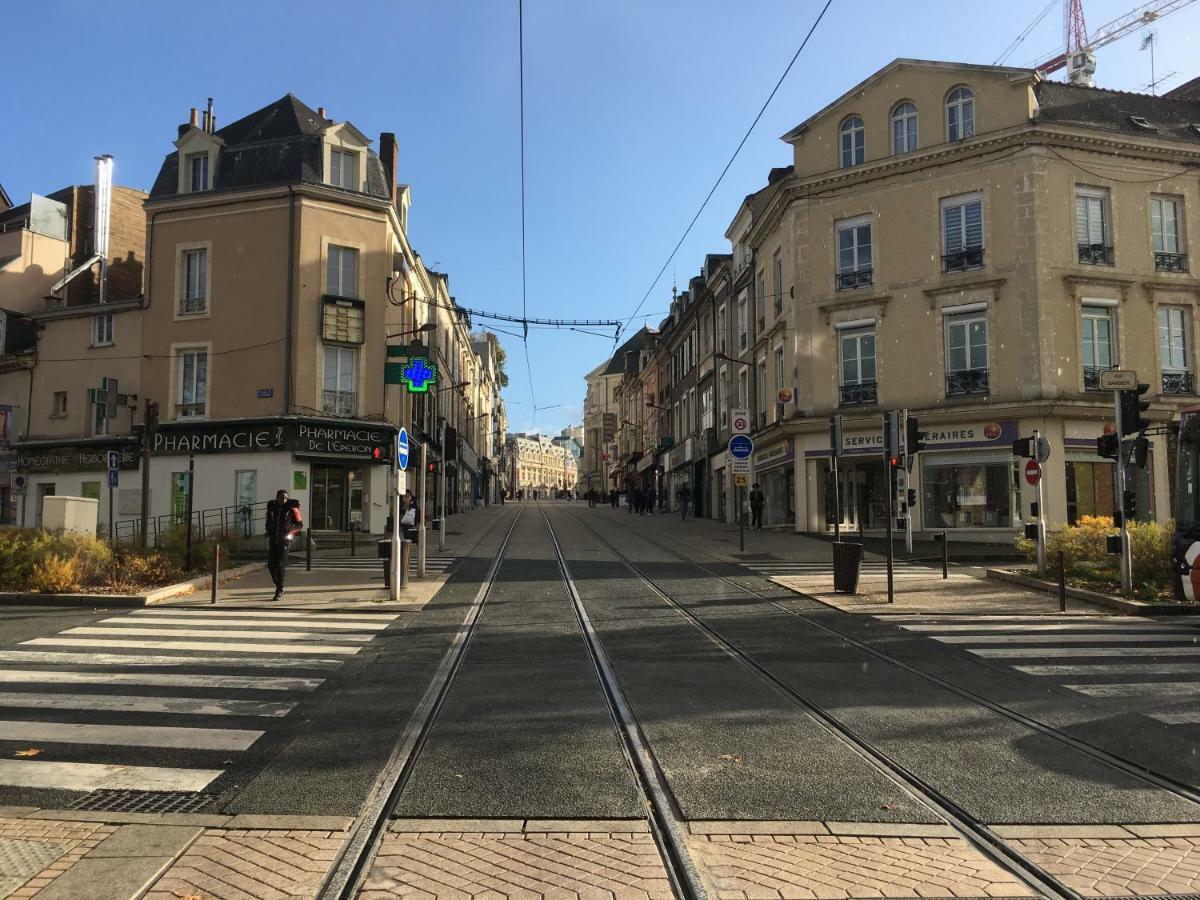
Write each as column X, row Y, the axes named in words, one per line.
column 1187, row 717
column 270, row 614
column 215, row 646
column 66, row 776
column 1113, row 669
column 1062, row 638
column 1052, row 626
column 1051, row 652
column 176, row 737
column 1166, row 691
column 25, row 657
column 257, row 622
column 218, row 633
column 196, row 706
column 247, row 682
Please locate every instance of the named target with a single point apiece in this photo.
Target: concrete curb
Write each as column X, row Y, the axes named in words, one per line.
column 1129, row 607
column 158, row 595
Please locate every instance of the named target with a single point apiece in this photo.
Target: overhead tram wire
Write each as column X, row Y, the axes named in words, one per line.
column 1020, row 38
column 725, row 170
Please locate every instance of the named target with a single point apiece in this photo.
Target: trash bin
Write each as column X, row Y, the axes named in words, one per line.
column 847, row 563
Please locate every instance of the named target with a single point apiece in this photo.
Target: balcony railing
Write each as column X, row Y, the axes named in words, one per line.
column 1170, row 262
column 189, row 410
column 858, row 394
column 966, row 381
column 960, row 260
column 194, row 306
column 848, row 281
column 1178, row 383
column 1091, row 377
column 339, row 403
column 1096, row 254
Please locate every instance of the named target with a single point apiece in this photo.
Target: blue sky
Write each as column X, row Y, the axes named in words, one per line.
column 632, row 109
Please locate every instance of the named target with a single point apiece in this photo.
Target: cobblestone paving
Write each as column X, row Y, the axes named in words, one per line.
column 1096, row 867
column 839, row 866
column 562, row 865
column 250, row 865
column 61, row 844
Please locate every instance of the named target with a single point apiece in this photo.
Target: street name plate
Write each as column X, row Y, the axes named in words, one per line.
column 1118, row 380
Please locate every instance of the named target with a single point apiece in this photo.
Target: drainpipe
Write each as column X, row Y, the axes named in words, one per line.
column 290, row 304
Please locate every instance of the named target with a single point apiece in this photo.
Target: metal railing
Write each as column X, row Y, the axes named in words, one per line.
column 966, row 381
column 1096, row 254
column 960, row 260
column 339, row 403
column 1178, row 383
column 1091, row 377
column 193, row 306
column 848, row 281
column 223, row 522
column 857, row 394
column 1170, row 262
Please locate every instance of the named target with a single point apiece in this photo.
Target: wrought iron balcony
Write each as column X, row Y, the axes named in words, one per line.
column 960, row 260
column 1170, row 262
column 858, row 394
column 1178, row 383
column 194, row 306
column 1096, row 254
column 848, row 281
column 339, row 403
column 966, row 381
column 189, row 410
column 1091, row 377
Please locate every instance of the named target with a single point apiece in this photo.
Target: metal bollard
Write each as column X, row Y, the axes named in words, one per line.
column 945, row 557
column 1062, row 582
column 216, row 571
column 405, row 561
column 308, row 549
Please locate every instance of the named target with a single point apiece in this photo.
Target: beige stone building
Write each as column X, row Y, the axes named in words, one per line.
column 975, row 244
column 539, row 464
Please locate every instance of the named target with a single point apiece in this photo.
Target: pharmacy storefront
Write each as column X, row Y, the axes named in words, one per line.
column 965, row 481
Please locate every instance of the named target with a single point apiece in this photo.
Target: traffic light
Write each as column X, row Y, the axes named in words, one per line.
column 1108, row 446
column 1141, row 451
column 151, row 413
column 1023, row 447
column 1131, row 410
column 914, row 438
column 431, row 467
column 835, row 434
column 912, row 498
column 891, row 438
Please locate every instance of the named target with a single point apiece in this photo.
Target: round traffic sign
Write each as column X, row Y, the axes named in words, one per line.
column 402, row 449
column 1033, row 472
column 740, row 424
column 740, row 446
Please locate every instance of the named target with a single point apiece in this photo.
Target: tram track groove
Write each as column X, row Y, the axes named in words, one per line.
column 977, row 833
column 350, row 867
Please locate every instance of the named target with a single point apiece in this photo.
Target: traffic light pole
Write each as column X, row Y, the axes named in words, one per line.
column 908, row 536
column 891, row 492
column 1041, row 516
column 421, row 524
column 1126, row 557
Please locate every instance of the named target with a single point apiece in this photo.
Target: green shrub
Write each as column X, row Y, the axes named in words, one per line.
column 174, row 545
column 56, row 574
column 1088, row 562
column 1150, row 547
column 133, row 572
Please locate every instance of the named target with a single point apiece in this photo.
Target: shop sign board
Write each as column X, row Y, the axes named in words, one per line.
column 73, row 459
column 360, row 440
column 956, row 436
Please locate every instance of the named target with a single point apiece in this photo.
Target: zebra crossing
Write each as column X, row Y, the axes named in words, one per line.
column 191, row 689
column 1137, row 665
column 871, row 568
column 373, row 566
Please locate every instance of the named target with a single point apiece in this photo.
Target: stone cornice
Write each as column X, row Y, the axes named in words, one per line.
column 962, row 286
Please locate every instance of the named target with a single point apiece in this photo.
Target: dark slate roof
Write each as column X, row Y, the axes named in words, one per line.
column 616, row 365
column 1187, row 91
column 1107, row 110
column 5, row 200
column 278, row 144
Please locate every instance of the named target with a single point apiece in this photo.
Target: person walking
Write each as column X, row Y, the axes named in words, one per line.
column 685, row 497
column 410, row 518
column 283, row 524
column 757, row 502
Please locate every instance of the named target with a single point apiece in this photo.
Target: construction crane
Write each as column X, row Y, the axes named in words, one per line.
column 1078, row 54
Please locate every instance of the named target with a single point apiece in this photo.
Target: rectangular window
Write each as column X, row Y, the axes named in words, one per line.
column 721, row 328
column 743, row 389
column 964, row 493
column 195, row 282
column 962, row 233
column 762, row 393
column 1092, row 226
column 341, row 379
column 857, row 366
column 60, row 404
column 193, row 383
column 723, row 395
column 1165, row 228
column 780, row 382
column 1099, row 349
column 743, row 324
column 777, row 268
column 99, row 419
column 90, row 489
column 706, row 408
column 966, row 354
column 343, row 169
column 341, row 271
column 1173, row 350
column 760, row 303
column 198, row 172
column 102, row 330
column 854, row 253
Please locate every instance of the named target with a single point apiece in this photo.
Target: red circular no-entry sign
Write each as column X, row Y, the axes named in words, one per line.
column 1033, row 472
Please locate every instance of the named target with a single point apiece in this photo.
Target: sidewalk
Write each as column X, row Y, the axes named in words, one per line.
column 917, row 588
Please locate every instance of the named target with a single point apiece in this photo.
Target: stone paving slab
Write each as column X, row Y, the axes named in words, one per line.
column 1115, row 867
column 60, row 844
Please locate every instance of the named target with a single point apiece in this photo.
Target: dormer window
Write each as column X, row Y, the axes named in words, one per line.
column 197, row 172
column 343, row 169
column 1142, row 123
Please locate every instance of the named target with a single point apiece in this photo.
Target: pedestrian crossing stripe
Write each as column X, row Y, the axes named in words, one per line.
column 433, row 564
column 76, row 674
column 871, row 568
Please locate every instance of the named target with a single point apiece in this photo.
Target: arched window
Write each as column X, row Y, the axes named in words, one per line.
column 960, row 114
column 854, row 142
column 904, row 128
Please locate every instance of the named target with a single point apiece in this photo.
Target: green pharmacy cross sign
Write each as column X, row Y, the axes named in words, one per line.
column 418, row 374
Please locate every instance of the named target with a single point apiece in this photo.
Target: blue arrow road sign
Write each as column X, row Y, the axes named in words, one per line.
column 402, row 449
column 740, row 446
column 112, row 478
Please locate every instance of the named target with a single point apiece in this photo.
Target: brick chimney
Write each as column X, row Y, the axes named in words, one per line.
column 389, row 155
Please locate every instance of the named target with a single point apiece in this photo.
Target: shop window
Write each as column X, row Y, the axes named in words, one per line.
column 90, row 490
column 1089, row 490
column 967, row 492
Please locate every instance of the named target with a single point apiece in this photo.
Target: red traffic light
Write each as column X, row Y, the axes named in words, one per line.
column 894, row 462
column 376, row 453
column 431, row 468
